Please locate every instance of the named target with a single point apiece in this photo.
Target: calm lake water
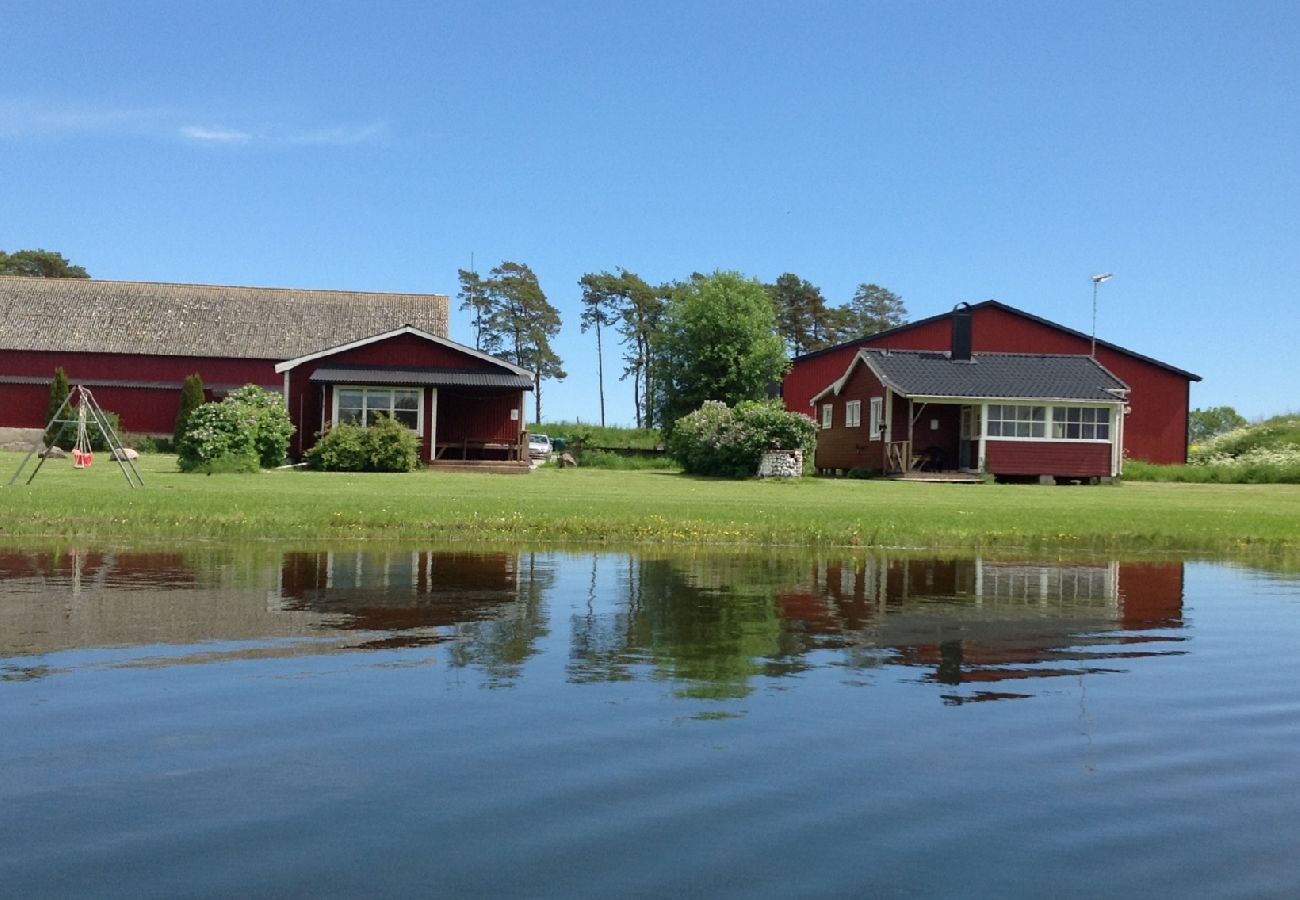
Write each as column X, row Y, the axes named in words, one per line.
column 437, row 724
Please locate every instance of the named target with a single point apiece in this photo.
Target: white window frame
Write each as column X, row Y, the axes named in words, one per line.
column 853, row 414
column 828, row 415
column 1049, row 422
column 390, row 389
column 1086, row 430
column 877, row 426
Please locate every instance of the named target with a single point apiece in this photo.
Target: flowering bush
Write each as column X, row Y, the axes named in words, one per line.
column 218, row 437
column 719, row 440
column 271, row 426
column 386, row 446
column 247, row 430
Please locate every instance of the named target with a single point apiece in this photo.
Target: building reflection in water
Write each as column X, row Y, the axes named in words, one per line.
column 711, row 626
column 984, row 625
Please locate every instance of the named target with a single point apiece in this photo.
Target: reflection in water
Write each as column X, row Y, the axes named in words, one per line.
column 710, row 626
column 711, row 630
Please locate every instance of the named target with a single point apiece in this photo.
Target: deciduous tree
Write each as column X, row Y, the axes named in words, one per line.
column 717, row 341
column 39, row 264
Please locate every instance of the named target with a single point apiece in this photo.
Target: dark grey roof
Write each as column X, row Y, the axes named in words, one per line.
column 1010, row 376
column 996, row 304
column 432, row 377
column 77, row 315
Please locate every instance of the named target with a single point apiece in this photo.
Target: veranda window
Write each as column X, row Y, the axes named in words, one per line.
column 1005, row 420
column 1080, row 423
column 364, row 405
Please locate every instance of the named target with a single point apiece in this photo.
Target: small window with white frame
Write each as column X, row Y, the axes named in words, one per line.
column 853, row 414
column 1080, row 423
column 877, row 418
column 827, row 415
column 363, row 405
column 1016, row 421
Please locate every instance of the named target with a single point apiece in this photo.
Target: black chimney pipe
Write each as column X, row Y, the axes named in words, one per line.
column 961, row 332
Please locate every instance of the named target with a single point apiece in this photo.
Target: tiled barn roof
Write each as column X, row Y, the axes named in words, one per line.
column 1010, row 376
column 77, row 315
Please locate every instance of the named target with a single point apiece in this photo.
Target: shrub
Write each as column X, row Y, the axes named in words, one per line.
column 719, row 440
column 218, row 437
column 59, row 391
column 386, row 446
column 604, row 459
column 393, row 446
column 192, row 398
column 271, row 426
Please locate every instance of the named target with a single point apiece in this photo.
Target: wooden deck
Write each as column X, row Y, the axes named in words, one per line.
column 951, row 477
column 482, row 466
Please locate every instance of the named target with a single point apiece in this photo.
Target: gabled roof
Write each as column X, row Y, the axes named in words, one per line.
column 995, row 304
column 405, row 329
column 987, row 376
column 78, row 315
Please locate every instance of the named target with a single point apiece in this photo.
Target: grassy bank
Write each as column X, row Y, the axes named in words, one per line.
column 592, row 506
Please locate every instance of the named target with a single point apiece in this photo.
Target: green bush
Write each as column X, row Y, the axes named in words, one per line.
column 604, row 459
column 271, row 426
column 386, row 446
column 719, row 440
column 393, row 446
column 192, row 397
column 218, row 437
column 247, row 430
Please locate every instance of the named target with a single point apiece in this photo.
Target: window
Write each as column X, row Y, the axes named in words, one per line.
column 853, row 414
column 1080, row 423
column 364, row 405
column 1010, row 421
column 826, row 415
column 877, row 417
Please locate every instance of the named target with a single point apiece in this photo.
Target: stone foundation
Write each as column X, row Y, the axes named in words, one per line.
column 781, row 464
column 19, row 438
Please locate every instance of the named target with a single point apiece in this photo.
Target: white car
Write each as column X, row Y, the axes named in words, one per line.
column 539, row 446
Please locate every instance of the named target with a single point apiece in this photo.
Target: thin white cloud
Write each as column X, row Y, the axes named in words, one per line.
column 215, row 135
column 25, row 118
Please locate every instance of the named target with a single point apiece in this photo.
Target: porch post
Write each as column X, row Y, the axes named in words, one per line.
column 984, row 430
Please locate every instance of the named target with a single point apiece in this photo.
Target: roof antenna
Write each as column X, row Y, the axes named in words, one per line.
column 1096, row 280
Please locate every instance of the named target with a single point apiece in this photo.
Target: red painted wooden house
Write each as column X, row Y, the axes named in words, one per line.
column 334, row 355
column 1154, row 422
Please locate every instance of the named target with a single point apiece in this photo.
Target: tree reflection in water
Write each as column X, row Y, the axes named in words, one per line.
column 710, row 625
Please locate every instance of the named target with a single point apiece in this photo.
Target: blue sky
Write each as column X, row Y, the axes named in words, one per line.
column 948, row 151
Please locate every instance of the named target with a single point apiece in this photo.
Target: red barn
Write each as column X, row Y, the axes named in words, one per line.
column 1154, row 425
column 335, row 355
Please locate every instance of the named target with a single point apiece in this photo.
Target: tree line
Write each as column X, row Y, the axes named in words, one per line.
column 708, row 337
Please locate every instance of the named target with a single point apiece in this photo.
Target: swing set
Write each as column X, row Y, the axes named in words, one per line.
column 84, row 415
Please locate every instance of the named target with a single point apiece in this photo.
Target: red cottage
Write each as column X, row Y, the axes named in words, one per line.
column 1004, row 414
column 1154, row 423
column 335, row 355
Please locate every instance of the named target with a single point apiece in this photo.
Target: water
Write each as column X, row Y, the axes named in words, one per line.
column 436, row 724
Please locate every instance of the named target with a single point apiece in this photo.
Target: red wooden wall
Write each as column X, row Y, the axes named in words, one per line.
column 1069, row 459
column 480, row 414
column 1154, row 430
column 147, row 408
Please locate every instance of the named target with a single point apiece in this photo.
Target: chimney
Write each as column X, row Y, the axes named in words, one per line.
column 961, row 332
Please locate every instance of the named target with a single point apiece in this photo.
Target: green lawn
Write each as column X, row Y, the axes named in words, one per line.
column 588, row 505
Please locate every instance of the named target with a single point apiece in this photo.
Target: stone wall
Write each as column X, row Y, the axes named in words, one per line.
column 19, row 438
column 781, row 464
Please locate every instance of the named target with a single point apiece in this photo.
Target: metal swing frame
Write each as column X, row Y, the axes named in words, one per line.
column 94, row 414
